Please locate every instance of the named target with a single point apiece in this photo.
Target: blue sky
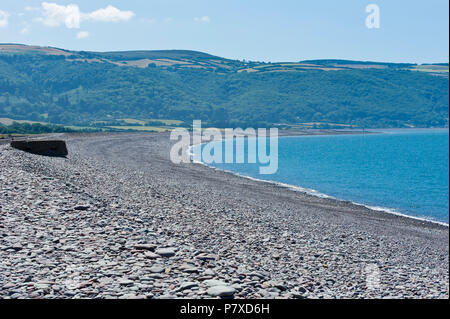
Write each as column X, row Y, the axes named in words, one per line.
column 262, row 30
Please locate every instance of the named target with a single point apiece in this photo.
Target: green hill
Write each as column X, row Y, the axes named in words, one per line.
column 100, row 88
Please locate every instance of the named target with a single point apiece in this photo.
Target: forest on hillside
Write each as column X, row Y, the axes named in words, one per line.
column 61, row 91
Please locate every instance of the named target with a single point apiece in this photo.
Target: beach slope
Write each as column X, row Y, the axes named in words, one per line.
column 117, row 219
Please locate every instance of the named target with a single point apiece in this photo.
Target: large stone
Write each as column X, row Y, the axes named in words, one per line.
column 126, row 282
column 221, row 291
column 165, row 252
column 214, row 282
column 156, row 269
column 151, row 255
column 187, row 285
column 81, row 207
column 42, row 147
column 150, row 247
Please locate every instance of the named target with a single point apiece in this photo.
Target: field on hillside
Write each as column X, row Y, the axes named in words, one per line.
column 432, row 68
column 143, row 122
column 8, row 121
column 111, row 89
column 142, row 128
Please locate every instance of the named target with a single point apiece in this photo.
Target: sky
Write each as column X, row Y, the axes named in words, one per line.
column 409, row 31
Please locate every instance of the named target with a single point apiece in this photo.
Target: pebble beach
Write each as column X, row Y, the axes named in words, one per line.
column 117, row 219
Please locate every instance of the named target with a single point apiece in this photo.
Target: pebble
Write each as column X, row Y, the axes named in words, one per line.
column 151, row 255
column 81, row 207
column 165, row 252
column 214, row 282
column 187, row 285
column 150, row 247
column 157, row 269
column 221, row 291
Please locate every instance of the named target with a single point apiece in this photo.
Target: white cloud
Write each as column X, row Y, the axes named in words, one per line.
column 55, row 15
column 110, row 14
column 82, row 35
column 204, row 19
column 3, row 18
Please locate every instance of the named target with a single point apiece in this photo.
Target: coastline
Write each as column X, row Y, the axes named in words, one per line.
column 138, row 226
column 312, row 192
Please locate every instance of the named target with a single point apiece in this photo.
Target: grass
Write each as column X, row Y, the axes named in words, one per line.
column 292, row 67
column 8, row 121
column 318, row 124
column 323, row 123
column 142, row 122
column 264, row 66
column 79, row 128
column 168, row 122
column 431, row 68
column 298, row 64
column 133, row 121
column 141, row 125
column 142, row 128
column 2, row 136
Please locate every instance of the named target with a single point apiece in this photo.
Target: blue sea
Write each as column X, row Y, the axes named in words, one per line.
column 402, row 171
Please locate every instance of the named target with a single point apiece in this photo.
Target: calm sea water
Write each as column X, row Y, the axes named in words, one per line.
column 406, row 171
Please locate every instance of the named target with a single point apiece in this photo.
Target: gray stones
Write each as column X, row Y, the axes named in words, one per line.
column 188, row 268
column 150, row 247
column 28, row 279
column 139, row 235
column 214, row 282
column 209, row 272
column 8, row 286
column 187, row 285
column 156, row 269
column 14, row 247
column 132, row 296
column 81, row 207
column 125, row 282
column 280, row 286
column 167, row 296
column 41, row 286
column 165, row 252
column 256, row 274
column 206, row 256
column 221, row 291
column 151, row 255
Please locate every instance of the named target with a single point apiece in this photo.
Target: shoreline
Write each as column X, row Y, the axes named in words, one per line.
column 138, row 226
column 312, row 192
column 315, row 193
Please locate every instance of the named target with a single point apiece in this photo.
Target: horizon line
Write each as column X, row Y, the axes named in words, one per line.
column 219, row 56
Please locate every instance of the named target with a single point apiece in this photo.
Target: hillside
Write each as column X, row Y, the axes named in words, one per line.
column 151, row 87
